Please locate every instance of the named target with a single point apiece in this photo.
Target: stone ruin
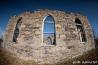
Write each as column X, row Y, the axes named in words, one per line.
column 70, row 36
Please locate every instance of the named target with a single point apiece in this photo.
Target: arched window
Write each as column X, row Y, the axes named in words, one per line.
column 49, row 35
column 17, row 30
column 80, row 30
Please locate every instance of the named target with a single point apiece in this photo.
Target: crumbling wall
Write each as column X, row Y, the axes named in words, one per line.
column 30, row 46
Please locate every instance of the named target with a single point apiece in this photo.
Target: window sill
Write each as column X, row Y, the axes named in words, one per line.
column 48, row 45
column 82, row 42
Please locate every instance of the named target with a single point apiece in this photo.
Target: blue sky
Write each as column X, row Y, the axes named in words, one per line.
column 88, row 8
column 49, row 25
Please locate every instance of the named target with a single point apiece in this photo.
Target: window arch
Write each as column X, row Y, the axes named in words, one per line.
column 17, row 30
column 80, row 30
column 49, row 33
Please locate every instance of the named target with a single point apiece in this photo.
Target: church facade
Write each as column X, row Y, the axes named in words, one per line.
column 48, row 36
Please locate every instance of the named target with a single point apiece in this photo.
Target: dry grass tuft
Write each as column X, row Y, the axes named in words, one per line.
column 7, row 58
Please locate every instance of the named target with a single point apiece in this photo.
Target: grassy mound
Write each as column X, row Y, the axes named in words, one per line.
column 9, row 59
column 91, row 56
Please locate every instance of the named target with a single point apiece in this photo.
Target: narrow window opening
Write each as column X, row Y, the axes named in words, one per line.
column 49, row 35
column 17, row 30
column 80, row 30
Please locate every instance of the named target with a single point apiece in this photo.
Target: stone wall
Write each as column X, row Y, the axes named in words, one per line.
column 30, row 46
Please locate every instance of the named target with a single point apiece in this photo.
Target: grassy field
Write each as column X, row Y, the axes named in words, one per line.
column 91, row 56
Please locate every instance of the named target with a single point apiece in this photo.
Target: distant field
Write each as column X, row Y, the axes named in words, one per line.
column 91, row 56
